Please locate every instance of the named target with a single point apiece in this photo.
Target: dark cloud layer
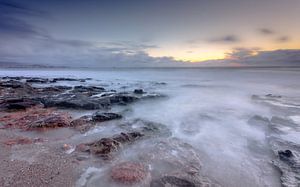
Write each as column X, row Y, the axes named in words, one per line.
column 226, row 39
column 283, row 39
column 255, row 57
column 266, row 31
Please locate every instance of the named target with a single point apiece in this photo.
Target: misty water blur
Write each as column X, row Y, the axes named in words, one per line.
column 210, row 109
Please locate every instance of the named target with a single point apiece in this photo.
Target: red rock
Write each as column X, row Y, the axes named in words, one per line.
column 52, row 121
column 21, row 141
column 129, row 173
column 35, row 117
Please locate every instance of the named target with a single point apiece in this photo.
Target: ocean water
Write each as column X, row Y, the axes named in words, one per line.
column 212, row 109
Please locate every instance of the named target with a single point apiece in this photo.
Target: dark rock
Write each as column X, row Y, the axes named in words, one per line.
column 64, row 79
column 75, row 102
column 105, row 147
column 172, row 181
column 11, row 84
column 273, row 96
column 84, row 123
column 148, row 128
column 37, row 80
column 121, row 98
column 88, row 88
column 138, row 91
column 55, row 89
column 105, row 116
column 283, row 155
column 18, row 103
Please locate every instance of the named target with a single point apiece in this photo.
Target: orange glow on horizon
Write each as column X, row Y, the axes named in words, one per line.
column 199, row 55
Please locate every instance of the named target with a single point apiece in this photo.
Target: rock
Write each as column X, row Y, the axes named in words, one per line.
column 127, row 137
column 52, row 121
column 138, row 91
column 148, row 128
column 122, row 98
column 129, row 173
column 54, row 89
column 273, row 96
column 88, row 90
column 284, row 155
column 22, row 141
column 75, row 102
column 37, row 80
column 11, row 84
column 86, row 122
column 83, row 123
column 287, row 161
column 64, row 79
column 171, row 181
column 105, row 147
column 105, row 116
column 34, row 118
column 18, row 103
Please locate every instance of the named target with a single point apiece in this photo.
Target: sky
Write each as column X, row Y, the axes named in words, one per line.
column 117, row 33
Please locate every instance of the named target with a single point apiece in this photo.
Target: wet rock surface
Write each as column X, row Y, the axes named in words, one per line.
column 287, row 160
column 78, row 97
column 129, row 173
column 84, row 123
column 22, row 141
column 106, row 147
column 278, row 128
column 35, row 117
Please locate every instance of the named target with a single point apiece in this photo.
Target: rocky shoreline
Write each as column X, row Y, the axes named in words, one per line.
column 42, row 144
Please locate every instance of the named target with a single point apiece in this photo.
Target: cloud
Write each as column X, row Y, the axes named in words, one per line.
column 266, row 31
column 283, row 39
column 12, row 25
column 226, row 39
column 257, row 58
column 23, row 42
column 9, row 7
column 241, row 53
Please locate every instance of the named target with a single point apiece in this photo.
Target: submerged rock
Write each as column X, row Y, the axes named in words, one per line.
column 148, row 128
column 105, row 147
column 17, row 103
column 138, row 91
column 273, row 96
column 11, row 84
column 74, row 102
column 52, row 121
column 287, row 161
column 172, row 181
column 87, row 90
column 86, row 122
column 105, row 116
column 129, row 173
column 21, row 141
column 171, row 162
column 37, row 80
column 34, row 118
